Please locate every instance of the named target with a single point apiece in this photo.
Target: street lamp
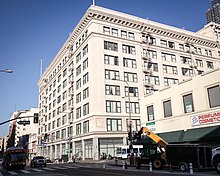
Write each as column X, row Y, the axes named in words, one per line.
column 130, row 122
column 7, row 71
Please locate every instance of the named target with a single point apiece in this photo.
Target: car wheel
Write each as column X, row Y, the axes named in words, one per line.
column 217, row 166
column 182, row 167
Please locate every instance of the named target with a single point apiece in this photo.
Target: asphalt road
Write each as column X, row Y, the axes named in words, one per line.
column 94, row 169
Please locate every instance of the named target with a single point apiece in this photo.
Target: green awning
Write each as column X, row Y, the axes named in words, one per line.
column 172, row 137
column 202, row 134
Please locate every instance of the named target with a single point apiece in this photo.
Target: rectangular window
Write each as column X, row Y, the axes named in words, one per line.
column 114, row 125
column 111, row 60
column 132, row 91
column 78, row 97
column 210, row 65
column 112, row 90
column 114, row 32
column 131, row 35
column 85, row 64
column 78, row 57
column 78, row 70
column 131, row 63
column 78, row 113
column 124, row 34
column 167, row 108
column 130, row 77
column 110, row 74
column 135, row 107
column 85, row 78
column 85, row 127
column 110, row 46
column 86, row 93
column 85, row 109
column 188, row 103
column 78, row 129
column 128, row 49
column 113, row 106
column 187, row 72
column 214, row 96
column 106, row 30
column 85, row 50
column 78, row 84
column 150, row 113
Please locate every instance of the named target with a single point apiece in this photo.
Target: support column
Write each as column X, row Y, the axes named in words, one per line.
column 95, row 148
column 83, row 150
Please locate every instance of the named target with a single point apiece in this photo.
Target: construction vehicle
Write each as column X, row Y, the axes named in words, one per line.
column 201, row 156
column 152, row 152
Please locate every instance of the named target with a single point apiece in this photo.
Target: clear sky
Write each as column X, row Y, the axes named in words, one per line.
column 35, row 29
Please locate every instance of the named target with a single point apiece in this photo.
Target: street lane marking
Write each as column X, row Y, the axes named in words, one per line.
column 38, row 170
column 46, row 168
column 12, row 173
column 25, row 171
column 70, row 167
column 56, row 167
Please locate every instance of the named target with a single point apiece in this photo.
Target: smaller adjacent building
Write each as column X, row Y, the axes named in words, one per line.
column 186, row 112
column 23, row 130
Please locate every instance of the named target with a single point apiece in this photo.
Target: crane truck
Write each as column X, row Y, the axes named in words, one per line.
column 202, row 156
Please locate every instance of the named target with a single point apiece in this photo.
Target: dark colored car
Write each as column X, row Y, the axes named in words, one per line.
column 38, row 161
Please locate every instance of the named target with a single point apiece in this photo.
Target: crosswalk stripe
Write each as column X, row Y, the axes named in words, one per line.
column 70, row 167
column 12, row 173
column 47, row 168
column 38, row 170
column 59, row 167
column 25, row 171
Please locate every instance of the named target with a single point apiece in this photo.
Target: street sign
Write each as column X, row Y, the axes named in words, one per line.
column 24, row 122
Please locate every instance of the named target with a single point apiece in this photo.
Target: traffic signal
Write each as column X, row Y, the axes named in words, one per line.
column 35, row 117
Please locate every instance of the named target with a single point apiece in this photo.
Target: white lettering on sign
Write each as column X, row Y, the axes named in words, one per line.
column 205, row 119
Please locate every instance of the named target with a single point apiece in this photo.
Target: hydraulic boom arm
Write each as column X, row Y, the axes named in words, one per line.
column 154, row 137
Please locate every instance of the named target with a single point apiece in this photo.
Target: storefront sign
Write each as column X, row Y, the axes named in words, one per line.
column 204, row 119
column 151, row 126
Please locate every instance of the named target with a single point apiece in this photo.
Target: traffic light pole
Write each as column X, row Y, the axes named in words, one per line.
column 2, row 123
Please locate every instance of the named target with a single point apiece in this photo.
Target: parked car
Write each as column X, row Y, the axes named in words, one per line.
column 38, row 161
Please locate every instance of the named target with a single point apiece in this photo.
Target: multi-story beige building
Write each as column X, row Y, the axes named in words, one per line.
column 186, row 112
column 109, row 61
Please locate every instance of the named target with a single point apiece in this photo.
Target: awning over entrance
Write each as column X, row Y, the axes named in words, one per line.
column 172, row 137
column 202, row 134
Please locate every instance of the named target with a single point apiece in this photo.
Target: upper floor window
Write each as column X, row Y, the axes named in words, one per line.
column 214, row 96
column 114, row 125
column 85, row 64
column 150, row 113
column 128, row 49
column 111, row 60
column 114, row 32
column 110, row 46
column 106, row 30
column 131, row 63
column 131, row 35
column 110, row 74
column 85, row 50
column 135, row 107
column 113, row 106
column 132, row 91
column 210, row 64
column 167, row 108
column 188, row 103
column 131, row 77
column 85, row 127
column 112, row 90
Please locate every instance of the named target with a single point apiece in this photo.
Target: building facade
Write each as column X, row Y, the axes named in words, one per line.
column 186, row 112
column 23, row 130
column 109, row 61
column 213, row 14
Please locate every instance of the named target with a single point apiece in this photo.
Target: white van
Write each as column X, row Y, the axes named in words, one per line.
column 123, row 151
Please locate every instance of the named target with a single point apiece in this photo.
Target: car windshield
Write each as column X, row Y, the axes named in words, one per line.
column 39, row 157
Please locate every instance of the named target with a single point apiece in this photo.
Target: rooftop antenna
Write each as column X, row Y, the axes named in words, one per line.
column 41, row 65
column 93, row 2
